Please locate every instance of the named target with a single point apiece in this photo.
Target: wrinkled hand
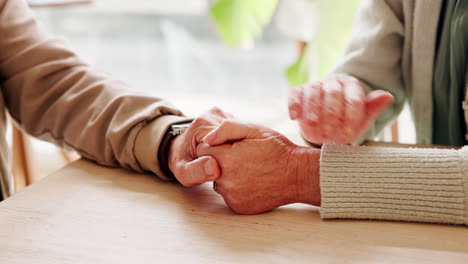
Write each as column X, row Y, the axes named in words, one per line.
column 336, row 110
column 189, row 169
column 261, row 169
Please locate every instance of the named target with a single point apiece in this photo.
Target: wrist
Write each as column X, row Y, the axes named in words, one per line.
column 307, row 170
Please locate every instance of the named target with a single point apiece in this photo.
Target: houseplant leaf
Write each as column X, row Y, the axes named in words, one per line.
column 240, row 22
column 298, row 73
column 334, row 29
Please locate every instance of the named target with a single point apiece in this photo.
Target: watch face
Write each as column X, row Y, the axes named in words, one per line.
column 178, row 129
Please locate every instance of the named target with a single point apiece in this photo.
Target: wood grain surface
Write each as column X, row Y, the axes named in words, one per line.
column 86, row 213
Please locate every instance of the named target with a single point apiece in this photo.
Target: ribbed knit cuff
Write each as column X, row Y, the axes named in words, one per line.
column 408, row 184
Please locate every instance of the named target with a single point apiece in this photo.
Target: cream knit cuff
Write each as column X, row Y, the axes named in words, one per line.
column 408, row 184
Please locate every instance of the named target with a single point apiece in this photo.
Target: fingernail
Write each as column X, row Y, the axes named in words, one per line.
column 209, row 170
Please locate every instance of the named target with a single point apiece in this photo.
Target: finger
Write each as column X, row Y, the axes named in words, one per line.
column 204, row 124
column 311, row 133
column 213, row 116
column 217, row 114
column 332, row 110
column 312, row 104
column 230, row 130
column 217, row 152
column 198, row 171
column 216, row 111
column 200, row 127
column 376, row 102
column 231, row 116
column 295, row 102
column 354, row 112
column 312, row 108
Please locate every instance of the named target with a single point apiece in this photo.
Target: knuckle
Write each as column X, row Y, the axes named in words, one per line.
column 314, row 88
column 335, row 92
column 294, row 99
column 216, row 110
column 200, row 121
column 312, row 103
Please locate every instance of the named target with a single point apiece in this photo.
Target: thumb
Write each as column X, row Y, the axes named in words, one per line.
column 198, row 171
column 376, row 102
column 230, row 130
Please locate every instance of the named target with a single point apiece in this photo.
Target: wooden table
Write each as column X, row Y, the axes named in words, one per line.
column 86, row 213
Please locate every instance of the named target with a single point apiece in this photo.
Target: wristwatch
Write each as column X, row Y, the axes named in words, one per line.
column 179, row 129
column 164, row 147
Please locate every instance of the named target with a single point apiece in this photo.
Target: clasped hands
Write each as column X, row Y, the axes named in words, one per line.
column 257, row 169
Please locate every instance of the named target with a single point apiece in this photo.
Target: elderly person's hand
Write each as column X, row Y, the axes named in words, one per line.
column 189, row 169
column 261, row 169
column 336, row 110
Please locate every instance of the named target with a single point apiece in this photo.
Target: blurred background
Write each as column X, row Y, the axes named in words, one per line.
column 172, row 49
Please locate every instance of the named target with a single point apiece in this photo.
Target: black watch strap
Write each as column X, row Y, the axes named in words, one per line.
column 165, row 146
column 163, row 154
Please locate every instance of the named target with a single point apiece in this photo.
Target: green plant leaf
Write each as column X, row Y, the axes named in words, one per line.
column 298, row 73
column 240, row 22
column 334, row 29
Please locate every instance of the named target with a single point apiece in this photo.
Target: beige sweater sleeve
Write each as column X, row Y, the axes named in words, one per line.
column 374, row 52
column 408, row 184
column 56, row 96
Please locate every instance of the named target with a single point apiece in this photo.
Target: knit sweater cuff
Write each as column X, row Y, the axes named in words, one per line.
column 408, row 184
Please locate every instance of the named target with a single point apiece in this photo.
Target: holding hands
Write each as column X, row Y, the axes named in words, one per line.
column 189, row 169
column 255, row 169
column 336, row 110
column 261, row 169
